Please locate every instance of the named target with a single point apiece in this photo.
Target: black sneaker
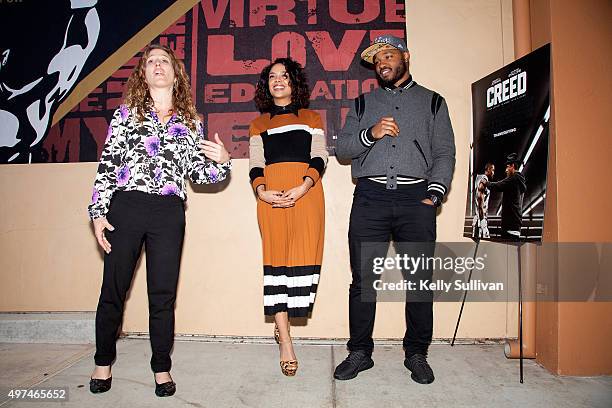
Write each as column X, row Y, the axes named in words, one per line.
column 421, row 371
column 351, row 366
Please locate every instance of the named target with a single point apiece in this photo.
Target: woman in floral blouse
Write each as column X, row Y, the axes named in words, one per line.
column 155, row 140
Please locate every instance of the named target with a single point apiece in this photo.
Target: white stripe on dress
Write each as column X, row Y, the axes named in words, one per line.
column 289, row 128
column 291, row 281
column 293, row 301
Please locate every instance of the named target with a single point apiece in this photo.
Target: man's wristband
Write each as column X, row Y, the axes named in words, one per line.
column 435, row 200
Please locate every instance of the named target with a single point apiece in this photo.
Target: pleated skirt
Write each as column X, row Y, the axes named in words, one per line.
column 292, row 241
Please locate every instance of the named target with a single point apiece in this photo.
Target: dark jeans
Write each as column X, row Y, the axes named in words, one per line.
column 159, row 223
column 377, row 216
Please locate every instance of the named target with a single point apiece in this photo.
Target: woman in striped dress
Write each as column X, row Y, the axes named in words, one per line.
column 287, row 156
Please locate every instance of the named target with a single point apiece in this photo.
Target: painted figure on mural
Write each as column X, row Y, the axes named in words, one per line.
column 27, row 107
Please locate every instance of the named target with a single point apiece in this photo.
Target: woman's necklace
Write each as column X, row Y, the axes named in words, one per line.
column 164, row 115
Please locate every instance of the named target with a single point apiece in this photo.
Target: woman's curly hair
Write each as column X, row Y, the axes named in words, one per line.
column 137, row 91
column 300, row 94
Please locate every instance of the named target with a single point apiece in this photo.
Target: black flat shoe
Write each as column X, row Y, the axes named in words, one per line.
column 97, row 386
column 166, row 389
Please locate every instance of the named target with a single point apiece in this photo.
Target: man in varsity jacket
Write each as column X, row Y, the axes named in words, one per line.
column 401, row 143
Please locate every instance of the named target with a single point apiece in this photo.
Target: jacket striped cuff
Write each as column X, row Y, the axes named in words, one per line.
column 437, row 188
column 366, row 138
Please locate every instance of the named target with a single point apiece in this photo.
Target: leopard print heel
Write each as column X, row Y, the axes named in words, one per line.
column 289, row 368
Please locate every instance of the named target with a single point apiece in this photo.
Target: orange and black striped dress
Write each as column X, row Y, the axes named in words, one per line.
column 287, row 145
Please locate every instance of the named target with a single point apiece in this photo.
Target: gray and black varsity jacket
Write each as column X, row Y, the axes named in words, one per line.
column 424, row 148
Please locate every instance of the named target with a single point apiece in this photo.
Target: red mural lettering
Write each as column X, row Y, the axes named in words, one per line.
column 127, row 68
column 91, row 103
column 338, row 10
column 238, row 92
column 320, row 89
column 332, row 58
column 369, row 85
column 215, row 93
column 260, row 9
column 352, row 89
column 395, row 11
column 177, row 45
column 233, row 129
column 225, row 60
column 177, row 28
column 338, row 85
column 220, row 58
column 97, row 127
column 312, row 11
column 113, row 103
column 63, row 140
column 214, row 15
column 242, row 92
column 115, row 86
column 288, row 44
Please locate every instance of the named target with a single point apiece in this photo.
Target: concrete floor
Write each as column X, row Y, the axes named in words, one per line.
column 224, row 374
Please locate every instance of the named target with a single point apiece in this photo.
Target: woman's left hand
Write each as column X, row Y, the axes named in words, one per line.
column 215, row 151
column 298, row 192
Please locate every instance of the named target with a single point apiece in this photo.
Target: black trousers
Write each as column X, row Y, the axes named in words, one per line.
column 159, row 223
column 377, row 216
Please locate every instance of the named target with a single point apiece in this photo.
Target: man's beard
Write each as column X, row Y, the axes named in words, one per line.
column 398, row 72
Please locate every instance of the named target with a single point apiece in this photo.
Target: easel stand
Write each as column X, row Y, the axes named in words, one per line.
column 520, row 305
column 465, row 294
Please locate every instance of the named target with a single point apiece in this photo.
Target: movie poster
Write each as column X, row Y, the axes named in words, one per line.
column 509, row 151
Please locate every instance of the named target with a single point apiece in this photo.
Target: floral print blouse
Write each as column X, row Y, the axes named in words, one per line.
column 152, row 157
